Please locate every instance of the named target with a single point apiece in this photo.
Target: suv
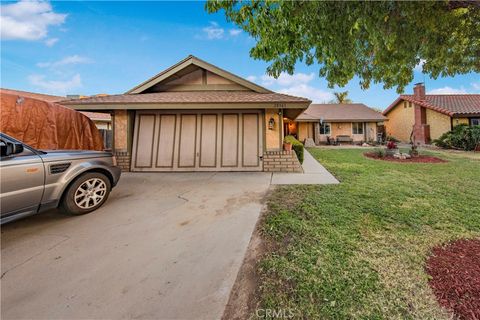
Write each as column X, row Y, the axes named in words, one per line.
column 33, row 181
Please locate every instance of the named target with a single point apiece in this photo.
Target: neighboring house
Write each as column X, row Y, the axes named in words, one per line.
column 354, row 121
column 428, row 116
column 195, row 116
column 101, row 120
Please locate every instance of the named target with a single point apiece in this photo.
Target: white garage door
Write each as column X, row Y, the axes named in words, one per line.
column 197, row 141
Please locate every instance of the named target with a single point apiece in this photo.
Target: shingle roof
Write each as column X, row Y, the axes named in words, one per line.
column 449, row 104
column 97, row 116
column 33, row 95
column 176, row 97
column 351, row 112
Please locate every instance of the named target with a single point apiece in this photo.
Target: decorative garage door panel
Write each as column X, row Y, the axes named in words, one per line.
column 197, row 141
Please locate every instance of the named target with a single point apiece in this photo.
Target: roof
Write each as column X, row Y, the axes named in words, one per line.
column 192, row 60
column 351, row 112
column 449, row 104
column 189, row 97
column 33, row 95
column 98, row 116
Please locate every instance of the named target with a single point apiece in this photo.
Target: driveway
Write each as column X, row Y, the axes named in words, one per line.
column 164, row 246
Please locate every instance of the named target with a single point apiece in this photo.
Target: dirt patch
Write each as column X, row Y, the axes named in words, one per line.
column 455, row 277
column 417, row 159
column 243, row 297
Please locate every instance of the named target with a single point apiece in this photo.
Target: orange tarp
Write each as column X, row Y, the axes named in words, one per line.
column 48, row 126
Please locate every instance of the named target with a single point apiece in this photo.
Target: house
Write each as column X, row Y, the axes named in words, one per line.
column 101, row 120
column 195, row 116
column 354, row 121
column 427, row 116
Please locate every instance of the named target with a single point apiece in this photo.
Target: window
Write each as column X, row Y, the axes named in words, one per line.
column 475, row 122
column 325, row 128
column 357, row 127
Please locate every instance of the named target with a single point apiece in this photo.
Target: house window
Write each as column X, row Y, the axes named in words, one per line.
column 357, row 127
column 475, row 122
column 325, row 128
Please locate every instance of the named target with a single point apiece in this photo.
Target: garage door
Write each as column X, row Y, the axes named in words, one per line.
column 197, row 141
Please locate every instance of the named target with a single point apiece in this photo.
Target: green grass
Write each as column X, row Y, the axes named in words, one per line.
column 357, row 250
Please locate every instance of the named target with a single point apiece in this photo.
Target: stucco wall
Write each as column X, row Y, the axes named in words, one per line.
column 371, row 132
column 305, row 130
column 120, row 130
column 457, row 121
column 273, row 140
column 439, row 123
column 400, row 122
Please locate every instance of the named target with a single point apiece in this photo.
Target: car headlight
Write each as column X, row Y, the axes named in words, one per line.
column 114, row 160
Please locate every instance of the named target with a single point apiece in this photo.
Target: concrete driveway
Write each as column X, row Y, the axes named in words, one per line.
column 164, row 246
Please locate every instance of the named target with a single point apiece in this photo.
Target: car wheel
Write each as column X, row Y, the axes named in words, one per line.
column 86, row 194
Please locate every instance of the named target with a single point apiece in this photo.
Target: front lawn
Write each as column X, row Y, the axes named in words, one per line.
column 358, row 249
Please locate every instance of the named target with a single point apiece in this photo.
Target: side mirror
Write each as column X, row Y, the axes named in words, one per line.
column 13, row 148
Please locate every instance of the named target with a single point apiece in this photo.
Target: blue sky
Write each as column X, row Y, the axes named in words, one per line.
column 109, row 47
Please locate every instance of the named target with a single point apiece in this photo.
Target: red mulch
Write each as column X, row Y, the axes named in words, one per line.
column 417, row 159
column 455, row 277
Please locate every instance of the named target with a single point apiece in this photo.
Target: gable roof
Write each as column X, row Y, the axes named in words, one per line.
column 189, row 97
column 189, row 61
column 33, row 95
column 348, row 112
column 449, row 104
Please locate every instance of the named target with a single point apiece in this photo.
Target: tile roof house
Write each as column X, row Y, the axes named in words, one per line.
column 354, row 122
column 101, row 120
column 426, row 117
column 194, row 116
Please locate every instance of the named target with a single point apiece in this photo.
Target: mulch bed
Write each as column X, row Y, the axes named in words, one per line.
column 455, row 277
column 417, row 159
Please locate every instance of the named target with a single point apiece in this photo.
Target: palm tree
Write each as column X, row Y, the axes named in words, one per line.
column 341, row 97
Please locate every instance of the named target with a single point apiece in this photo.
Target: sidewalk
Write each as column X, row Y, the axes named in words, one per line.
column 313, row 173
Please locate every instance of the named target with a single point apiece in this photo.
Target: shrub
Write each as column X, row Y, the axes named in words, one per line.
column 391, row 138
column 379, row 152
column 461, row 137
column 297, row 146
column 391, row 145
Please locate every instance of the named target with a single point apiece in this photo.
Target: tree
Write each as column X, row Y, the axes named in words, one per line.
column 376, row 41
column 341, row 97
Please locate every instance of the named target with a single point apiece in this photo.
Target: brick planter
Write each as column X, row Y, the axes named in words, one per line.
column 281, row 161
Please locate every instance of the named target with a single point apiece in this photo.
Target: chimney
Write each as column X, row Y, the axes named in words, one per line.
column 419, row 91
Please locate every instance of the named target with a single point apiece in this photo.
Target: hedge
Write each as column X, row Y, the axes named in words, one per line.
column 461, row 137
column 297, row 146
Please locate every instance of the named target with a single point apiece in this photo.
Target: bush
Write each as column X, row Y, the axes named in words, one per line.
column 379, row 152
column 297, row 146
column 391, row 145
column 391, row 138
column 461, row 137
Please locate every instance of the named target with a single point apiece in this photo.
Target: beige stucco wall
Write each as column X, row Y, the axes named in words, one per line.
column 457, row 121
column 273, row 138
column 345, row 129
column 400, row 122
column 305, row 130
column 120, row 130
column 439, row 123
column 371, row 132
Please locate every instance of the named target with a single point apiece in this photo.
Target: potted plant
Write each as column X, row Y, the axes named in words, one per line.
column 287, row 146
column 391, row 148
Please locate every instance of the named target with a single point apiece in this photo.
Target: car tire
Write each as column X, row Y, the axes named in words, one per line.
column 87, row 193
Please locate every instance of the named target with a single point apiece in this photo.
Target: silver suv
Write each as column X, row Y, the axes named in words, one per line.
column 33, row 181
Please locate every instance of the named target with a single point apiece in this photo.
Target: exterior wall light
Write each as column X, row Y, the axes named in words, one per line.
column 271, row 124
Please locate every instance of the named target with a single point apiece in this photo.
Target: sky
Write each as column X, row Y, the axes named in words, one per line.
column 86, row 48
